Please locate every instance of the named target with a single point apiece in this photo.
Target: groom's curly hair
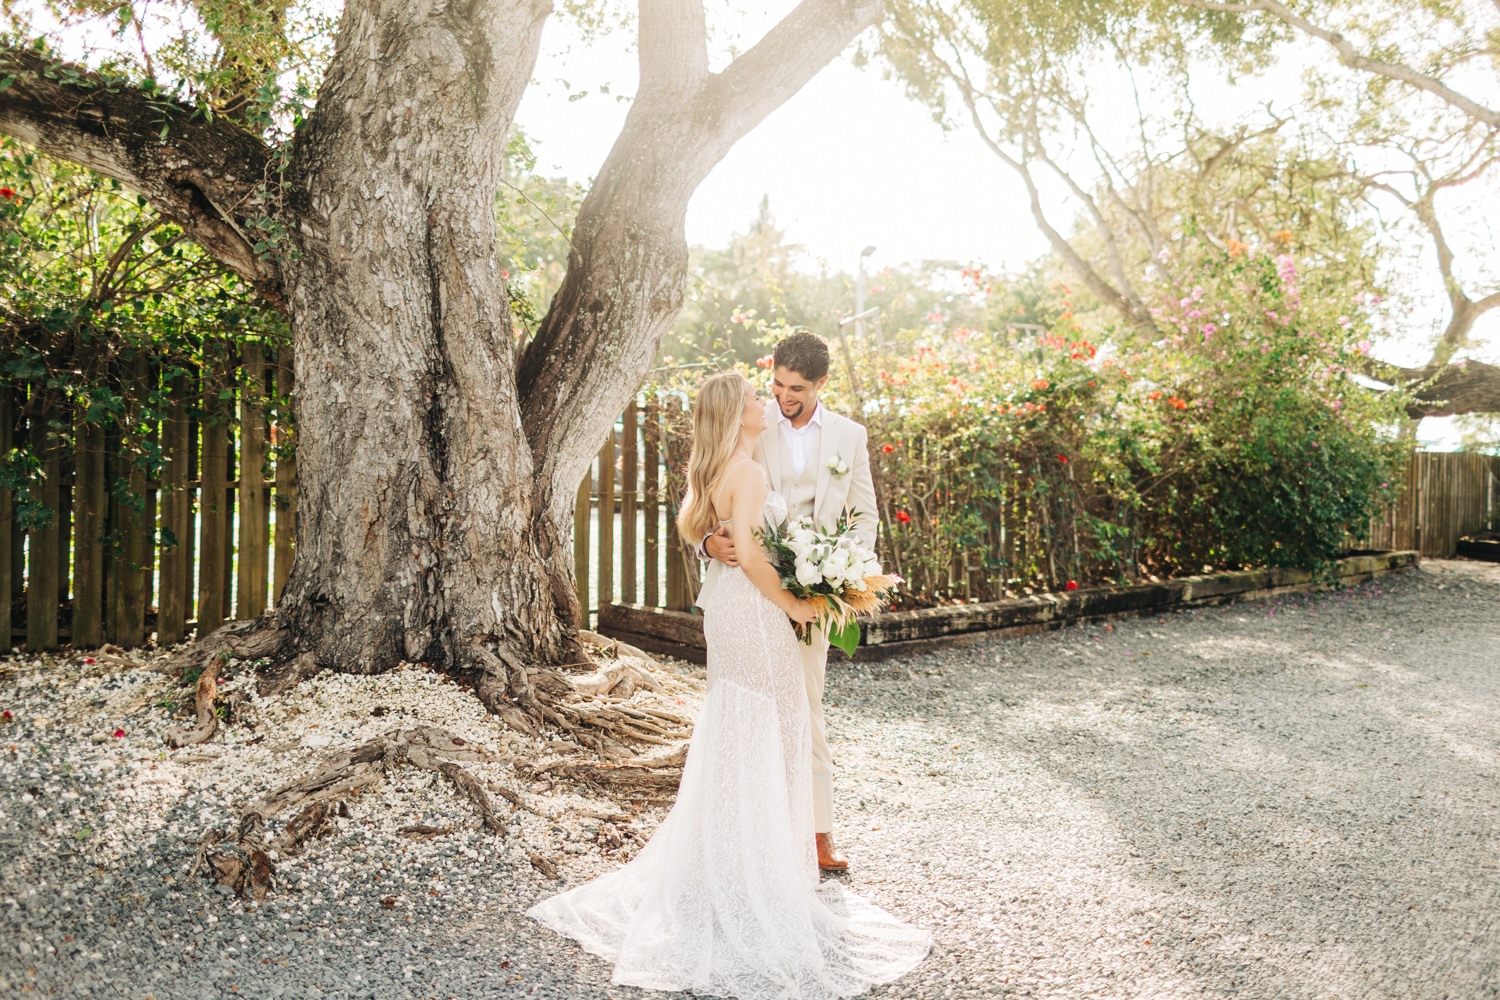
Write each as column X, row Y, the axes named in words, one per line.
column 804, row 353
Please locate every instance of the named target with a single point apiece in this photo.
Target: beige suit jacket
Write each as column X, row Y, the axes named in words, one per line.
column 854, row 493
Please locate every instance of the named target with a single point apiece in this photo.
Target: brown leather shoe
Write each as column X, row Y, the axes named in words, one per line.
column 830, row 858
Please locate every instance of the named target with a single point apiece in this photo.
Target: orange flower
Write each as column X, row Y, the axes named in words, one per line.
column 1283, row 236
column 1178, row 404
column 1039, row 383
column 1236, row 248
column 1154, row 395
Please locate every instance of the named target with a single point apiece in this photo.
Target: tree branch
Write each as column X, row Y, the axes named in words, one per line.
column 628, row 260
column 781, row 63
column 1350, row 57
column 205, row 175
column 673, row 46
column 1444, row 390
column 1121, row 301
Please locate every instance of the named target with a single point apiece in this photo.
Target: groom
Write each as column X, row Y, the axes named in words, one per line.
column 802, row 449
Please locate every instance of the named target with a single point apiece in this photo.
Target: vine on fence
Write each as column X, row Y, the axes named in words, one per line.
column 113, row 316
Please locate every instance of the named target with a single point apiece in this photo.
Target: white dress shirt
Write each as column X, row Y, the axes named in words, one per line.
column 802, row 441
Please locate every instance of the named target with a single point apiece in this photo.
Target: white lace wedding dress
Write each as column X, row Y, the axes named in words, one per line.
column 724, row 900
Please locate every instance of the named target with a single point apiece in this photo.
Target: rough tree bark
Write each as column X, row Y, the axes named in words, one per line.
column 435, row 478
column 1440, row 390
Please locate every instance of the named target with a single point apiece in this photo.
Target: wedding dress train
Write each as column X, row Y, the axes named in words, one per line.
column 724, row 899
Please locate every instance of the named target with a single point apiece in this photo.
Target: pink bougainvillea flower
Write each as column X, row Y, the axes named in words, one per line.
column 1363, row 347
column 119, row 734
column 903, row 517
column 1071, row 585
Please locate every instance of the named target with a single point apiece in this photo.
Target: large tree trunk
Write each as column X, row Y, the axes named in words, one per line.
column 435, row 480
column 417, row 538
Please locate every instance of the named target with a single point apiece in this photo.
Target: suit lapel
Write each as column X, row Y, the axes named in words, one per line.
column 828, row 448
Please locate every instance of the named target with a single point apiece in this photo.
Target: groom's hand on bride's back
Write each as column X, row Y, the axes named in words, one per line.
column 721, row 547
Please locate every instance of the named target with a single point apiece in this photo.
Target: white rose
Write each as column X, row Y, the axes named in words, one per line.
column 838, row 565
column 807, row 574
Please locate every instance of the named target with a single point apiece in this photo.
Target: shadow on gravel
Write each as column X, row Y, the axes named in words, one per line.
column 1295, row 798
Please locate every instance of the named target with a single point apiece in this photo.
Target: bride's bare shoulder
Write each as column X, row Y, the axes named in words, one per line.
column 742, row 481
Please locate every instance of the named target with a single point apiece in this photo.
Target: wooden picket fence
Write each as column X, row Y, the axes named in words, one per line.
column 213, row 540
column 625, row 544
column 122, row 557
column 1446, row 495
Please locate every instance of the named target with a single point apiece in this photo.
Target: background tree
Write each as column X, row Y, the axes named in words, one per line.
column 437, row 465
column 743, row 297
column 1400, row 129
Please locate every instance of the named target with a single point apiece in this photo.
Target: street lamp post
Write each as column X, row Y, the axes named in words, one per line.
column 859, row 295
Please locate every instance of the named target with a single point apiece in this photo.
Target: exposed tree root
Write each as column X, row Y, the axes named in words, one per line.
column 208, row 719
column 586, row 708
column 589, row 709
column 114, row 656
column 594, row 707
column 653, row 778
column 263, row 638
column 246, row 861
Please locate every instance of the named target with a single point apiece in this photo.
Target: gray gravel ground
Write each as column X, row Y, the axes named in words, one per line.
column 1294, row 797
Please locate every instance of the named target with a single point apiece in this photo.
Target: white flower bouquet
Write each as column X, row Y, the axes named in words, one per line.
column 842, row 578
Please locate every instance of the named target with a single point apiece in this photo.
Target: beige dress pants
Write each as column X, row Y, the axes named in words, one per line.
column 814, row 672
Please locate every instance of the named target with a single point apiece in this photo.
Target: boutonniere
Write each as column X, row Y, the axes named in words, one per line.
column 837, row 466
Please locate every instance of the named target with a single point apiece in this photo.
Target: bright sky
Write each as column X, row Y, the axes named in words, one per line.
column 848, row 162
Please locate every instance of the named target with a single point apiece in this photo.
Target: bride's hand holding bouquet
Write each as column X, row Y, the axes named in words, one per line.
column 841, row 578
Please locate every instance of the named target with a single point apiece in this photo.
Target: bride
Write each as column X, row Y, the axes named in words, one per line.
column 724, row 899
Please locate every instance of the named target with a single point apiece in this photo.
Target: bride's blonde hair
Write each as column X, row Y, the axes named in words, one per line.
column 717, row 410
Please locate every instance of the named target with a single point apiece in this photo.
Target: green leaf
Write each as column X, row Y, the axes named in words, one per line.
column 845, row 638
